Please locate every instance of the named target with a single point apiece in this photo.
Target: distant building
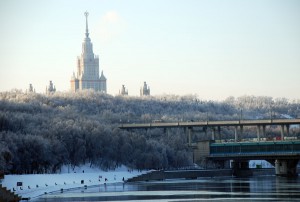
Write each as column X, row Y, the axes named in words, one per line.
column 31, row 89
column 87, row 76
column 145, row 90
column 50, row 89
column 123, row 91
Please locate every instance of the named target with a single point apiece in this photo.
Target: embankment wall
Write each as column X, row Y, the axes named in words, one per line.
column 194, row 174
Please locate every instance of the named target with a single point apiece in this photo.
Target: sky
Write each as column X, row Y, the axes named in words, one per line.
column 210, row 48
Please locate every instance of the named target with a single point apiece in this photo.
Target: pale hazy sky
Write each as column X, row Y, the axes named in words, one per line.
column 212, row 48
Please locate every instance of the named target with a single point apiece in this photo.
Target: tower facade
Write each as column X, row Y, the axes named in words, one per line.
column 87, row 76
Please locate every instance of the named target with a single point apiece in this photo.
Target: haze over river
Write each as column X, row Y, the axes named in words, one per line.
column 259, row 188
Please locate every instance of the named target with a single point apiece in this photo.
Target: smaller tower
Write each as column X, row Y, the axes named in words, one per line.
column 123, row 91
column 145, row 90
column 31, row 89
column 74, row 83
column 50, row 89
column 102, row 80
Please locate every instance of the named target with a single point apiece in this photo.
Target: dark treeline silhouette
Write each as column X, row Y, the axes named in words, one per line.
column 40, row 133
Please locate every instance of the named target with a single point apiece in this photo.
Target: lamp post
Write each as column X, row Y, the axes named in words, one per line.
column 241, row 111
column 271, row 113
column 241, row 114
column 206, row 116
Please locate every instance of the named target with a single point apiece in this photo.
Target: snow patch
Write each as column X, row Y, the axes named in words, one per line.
column 286, row 116
column 260, row 163
column 35, row 185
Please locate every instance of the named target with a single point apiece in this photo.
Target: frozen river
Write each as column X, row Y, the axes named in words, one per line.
column 262, row 188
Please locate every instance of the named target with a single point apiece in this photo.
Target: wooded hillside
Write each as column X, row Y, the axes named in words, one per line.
column 39, row 133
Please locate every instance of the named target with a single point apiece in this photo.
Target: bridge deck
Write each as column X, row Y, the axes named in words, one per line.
column 211, row 123
column 255, row 150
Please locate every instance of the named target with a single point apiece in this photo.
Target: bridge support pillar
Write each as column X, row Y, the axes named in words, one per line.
column 282, row 132
column 286, row 167
column 261, row 131
column 219, row 133
column 241, row 131
column 213, row 134
column 241, row 168
column 236, row 134
column 190, row 135
column 258, row 133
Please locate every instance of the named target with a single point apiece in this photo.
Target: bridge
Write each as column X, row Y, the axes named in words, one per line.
column 215, row 126
column 283, row 154
column 262, row 122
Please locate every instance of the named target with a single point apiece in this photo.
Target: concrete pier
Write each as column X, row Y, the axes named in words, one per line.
column 241, row 168
column 286, row 167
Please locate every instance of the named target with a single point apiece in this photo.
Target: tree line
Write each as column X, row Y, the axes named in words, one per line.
column 40, row 133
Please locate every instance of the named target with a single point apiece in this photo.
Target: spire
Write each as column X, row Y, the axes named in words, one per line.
column 102, row 77
column 86, row 24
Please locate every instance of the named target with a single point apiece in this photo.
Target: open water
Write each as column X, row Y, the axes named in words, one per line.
column 259, row 188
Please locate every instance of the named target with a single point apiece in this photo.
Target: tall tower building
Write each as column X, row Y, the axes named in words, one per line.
column 87, row 76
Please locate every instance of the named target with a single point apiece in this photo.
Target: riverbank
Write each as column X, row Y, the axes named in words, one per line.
column 180, row 174
column 255, row 188
column 35, row 185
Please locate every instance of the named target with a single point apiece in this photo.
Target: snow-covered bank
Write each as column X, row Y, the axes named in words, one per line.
column 38, row 184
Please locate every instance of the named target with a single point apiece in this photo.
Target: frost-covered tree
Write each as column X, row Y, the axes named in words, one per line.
column 68, row 128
